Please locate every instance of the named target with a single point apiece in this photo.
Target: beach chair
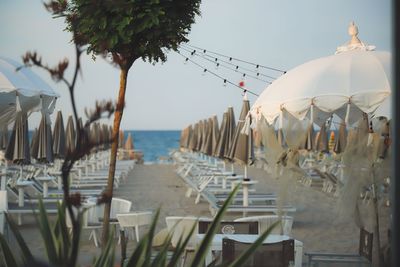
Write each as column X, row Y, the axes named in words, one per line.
column 363, row 258
column 133, row 220
column 265, row 222
column 280, row 254
column 89, row 222
column 215, row 205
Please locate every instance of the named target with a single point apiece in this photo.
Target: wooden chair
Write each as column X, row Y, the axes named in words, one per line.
column 279, row 254
column 231, row 227
column 364, row 256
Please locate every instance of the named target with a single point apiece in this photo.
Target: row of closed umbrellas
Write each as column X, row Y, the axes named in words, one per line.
column 46, row 145
column 226, row 142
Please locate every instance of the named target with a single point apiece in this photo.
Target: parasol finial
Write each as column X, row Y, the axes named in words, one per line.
column 355, row 43
column 353, row 32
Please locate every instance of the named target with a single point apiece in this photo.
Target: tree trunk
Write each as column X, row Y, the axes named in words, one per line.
column 113, row 157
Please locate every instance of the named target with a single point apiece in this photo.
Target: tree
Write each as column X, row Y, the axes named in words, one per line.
column 125, row 31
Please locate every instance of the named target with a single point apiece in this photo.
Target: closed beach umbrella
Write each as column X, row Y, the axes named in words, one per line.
column 4, row 138
column 45, row 143
column 231, row 126
column 18, row 150
column 59, row 137
column 322, row 139
column 281, row 138
column 214, row 135
column 242, row 145
column 220, row 145
column 207, row 147
column 205, row 135
column 185, row 135
column 129, row 142
column 70, row 136
column 193, row 139
column 310, row 138
column 200, row 136
column 34, row 143
column 341, row 140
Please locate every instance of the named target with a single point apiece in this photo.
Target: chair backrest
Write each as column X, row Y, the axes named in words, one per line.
column 119, row 205
column 134, row 219
column 180, row 227
column 365, row 248
column 231, row 227
column 278, row 254
column 265, row 221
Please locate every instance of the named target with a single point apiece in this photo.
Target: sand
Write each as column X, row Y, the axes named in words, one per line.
column 316, row 222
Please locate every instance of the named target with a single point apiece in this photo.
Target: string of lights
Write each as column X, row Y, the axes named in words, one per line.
column 217, row 61
column 217, row 64
column 233, row 58
column 205, row 70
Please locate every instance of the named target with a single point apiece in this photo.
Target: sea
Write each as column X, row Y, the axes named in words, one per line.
column 154, row 144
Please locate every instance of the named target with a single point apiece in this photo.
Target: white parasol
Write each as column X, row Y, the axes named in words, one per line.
column 356, row 79
column 34, row 94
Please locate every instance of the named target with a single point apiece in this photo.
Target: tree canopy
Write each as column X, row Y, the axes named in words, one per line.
column 129, row 29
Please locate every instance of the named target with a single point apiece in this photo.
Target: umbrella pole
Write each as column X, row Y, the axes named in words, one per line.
column 245, row 171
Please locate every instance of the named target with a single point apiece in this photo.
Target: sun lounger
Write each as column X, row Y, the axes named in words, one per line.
column 215, row 205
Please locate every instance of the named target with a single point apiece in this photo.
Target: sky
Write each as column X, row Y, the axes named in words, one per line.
column 280, row 34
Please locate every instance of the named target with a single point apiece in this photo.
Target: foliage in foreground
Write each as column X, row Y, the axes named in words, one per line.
column 59, row 246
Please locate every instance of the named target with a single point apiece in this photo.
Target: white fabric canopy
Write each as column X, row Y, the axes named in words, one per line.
column 33, row 93
column 357, row 77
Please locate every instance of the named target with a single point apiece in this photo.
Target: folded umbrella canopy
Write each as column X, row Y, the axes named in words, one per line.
column 220, row 145
column 207, row 146
column 242, row 150
column 200, row 138
column 230, row 132
column 4, row 137
column 194, row 138
column 18, row 150
column 70, row 136
column 34, row 142
column 59, row 137
column 129, row 142
column 44, row 152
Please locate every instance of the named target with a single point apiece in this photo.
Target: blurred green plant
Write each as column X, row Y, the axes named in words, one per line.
column 59, row 245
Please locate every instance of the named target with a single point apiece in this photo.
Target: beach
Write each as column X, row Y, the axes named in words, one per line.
column 149, row 187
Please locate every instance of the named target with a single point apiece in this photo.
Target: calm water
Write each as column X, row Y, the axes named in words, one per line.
column 154, row 144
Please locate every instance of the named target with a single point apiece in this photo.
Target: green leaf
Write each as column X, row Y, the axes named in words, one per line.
column 26, row 253
column 150, row 236
column 9, row 258
column 47, row 235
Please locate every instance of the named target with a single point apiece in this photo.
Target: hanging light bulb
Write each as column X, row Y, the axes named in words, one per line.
column 204, row 72
column 186, row 61
column 237, row 67
column 224, row 82
column 216, row 66
column 192, row 53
